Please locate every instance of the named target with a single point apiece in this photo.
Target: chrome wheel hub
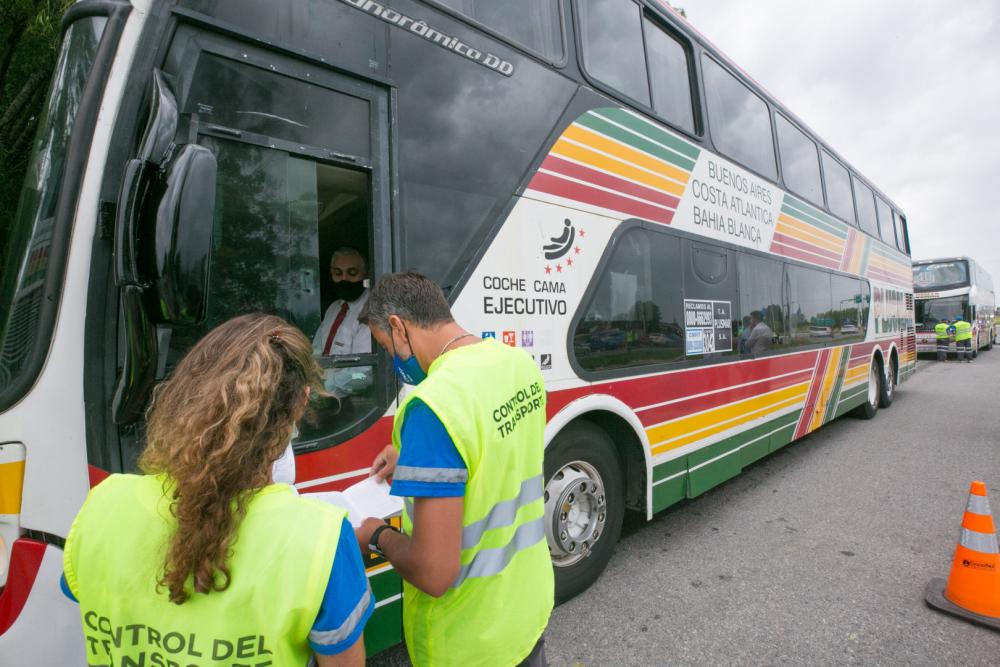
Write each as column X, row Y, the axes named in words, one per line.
column 575, row 512
column 873, row 386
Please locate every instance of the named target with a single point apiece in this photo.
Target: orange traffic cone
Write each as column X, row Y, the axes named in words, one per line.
column 973, row 588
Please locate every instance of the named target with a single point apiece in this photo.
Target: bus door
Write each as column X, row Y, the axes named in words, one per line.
column 300, row 171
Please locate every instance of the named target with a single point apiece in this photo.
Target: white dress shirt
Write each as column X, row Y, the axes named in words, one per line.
column 352, row 337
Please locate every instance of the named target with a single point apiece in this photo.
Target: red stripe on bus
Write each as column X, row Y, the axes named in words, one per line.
column 805, row 245
column 693, row 404
column 814, row 389
column 782, row 249
column 638, row 393
column 590, row 195
column 557, row 164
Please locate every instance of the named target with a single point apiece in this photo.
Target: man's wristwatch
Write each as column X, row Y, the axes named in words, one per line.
column 373, row 540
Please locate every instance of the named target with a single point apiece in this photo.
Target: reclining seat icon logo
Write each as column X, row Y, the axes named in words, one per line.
column 560, row 245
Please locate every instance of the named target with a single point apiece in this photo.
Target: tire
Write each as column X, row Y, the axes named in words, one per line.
column 582, row 530
column 887, row 390
column 869, row 408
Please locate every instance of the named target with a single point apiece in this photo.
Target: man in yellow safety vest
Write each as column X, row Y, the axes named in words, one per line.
column 467, row 457
column 942, row 339
column 963, row 339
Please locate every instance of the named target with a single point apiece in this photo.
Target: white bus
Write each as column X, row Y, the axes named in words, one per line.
column 700, row 278
column 953, row 287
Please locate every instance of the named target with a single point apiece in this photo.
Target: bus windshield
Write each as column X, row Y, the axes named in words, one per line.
column 931, row 311
column 26, row 265
column 940, row 275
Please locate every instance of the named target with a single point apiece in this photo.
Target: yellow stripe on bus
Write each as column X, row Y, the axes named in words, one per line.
column 819, row 237
column 856, row 373
column 614, row 166
column 594, row 140
column 685, row 430
column 829, row 379
column 11, row 481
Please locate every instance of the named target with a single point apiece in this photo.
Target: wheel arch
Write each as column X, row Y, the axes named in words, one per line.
column 626, row 432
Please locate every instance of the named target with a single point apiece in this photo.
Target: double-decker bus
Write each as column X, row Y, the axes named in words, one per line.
column 700, row 278
column 949, row 288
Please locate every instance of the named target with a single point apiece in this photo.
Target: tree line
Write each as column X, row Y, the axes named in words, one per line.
column 29, row 41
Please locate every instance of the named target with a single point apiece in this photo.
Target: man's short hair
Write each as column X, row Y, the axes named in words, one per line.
column 347, row 251
column 759, row 316
column 408, row 295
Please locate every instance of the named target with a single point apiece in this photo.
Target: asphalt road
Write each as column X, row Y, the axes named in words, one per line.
column 818, row 554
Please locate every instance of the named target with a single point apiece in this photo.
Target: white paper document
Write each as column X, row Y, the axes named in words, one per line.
column 366, row 498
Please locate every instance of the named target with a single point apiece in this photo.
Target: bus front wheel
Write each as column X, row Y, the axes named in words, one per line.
column 584, row 506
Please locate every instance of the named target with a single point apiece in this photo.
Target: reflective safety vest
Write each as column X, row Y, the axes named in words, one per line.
column 963, row 330
column 280, row 565
column 941, row 330
column 491, row 400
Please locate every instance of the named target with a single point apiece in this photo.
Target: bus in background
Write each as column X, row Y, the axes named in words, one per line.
column 700, row 278
column 953, row 287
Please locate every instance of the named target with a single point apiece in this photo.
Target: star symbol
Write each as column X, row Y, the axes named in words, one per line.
column 577, row 250
column 582, row 233
column 548, row 270
column 569, row 261
column 558, row 268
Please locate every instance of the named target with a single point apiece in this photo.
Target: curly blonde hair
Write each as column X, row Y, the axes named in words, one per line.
column 215, row 428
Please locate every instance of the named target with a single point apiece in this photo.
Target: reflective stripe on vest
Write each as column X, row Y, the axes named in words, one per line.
column 963, row 330
column 941, row 330
column 281, row 559
column 491, row 401
column 503, row 513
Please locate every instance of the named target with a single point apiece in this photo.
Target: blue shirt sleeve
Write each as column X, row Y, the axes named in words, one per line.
column 64, row 586
column 348, row 602
column 429, row 464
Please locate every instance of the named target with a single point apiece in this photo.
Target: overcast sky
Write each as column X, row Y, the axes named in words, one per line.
column 907, row 92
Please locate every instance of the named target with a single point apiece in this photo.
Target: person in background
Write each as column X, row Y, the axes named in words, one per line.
column 761, row 336
column 963, row 339
column 744, row 335
column 340, row 332
column 203, row 550
column 942, row 339
column 467, row 456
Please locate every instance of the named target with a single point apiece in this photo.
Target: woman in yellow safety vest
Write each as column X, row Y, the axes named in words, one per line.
column 204, row 560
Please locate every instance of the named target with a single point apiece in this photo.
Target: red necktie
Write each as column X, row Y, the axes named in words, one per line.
column 333, row 329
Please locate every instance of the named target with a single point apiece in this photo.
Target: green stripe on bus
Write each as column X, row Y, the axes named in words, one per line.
column 814, row 212
column 835, row 229
column 672, row 467
column 845, row 358
column 866, row 255
column 669, row 493
column 716, row 463
column 650, row 130
column 384, row 628
column 601, row 125
column 386, row 584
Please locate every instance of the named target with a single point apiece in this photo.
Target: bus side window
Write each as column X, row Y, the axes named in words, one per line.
column 611, row 36
column 738, row 120
column 810, row 316
column 761, row 306
column 838, row 189
column 635, row 314
column 710, row 275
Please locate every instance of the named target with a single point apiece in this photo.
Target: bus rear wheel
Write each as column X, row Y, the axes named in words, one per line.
column 869, row 408
column 584, row 506
column 888, row 385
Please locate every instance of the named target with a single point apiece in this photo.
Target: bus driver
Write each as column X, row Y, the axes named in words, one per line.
column 340, row 332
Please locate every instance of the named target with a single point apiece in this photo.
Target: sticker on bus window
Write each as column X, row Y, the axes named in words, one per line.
column 707, row 326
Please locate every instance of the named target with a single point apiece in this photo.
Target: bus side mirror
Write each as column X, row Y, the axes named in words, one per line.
column 182, row 237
